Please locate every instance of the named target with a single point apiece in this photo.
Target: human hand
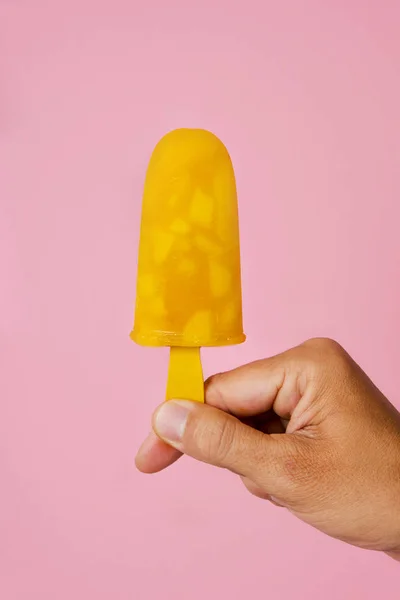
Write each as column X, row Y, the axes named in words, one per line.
column 306, row 430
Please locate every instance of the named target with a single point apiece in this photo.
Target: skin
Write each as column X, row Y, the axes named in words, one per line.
column 306, row 430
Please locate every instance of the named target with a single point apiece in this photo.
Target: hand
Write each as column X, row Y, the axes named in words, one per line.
column 306, row 430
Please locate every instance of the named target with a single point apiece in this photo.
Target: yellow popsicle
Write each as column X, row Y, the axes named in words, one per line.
column 188, row 284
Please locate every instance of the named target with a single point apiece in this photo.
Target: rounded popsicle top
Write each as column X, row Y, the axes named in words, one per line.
column 190, row 145
column 189, row 285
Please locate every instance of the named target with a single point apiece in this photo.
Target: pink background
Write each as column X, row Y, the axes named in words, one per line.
column 306, row 96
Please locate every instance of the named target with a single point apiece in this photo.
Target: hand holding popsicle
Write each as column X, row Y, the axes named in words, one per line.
column 305, row 429
column 188, row 286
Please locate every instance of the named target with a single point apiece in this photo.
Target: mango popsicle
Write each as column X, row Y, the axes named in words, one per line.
column 188, row 284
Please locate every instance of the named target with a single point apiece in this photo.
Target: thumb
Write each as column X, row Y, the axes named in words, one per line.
column 216, row 437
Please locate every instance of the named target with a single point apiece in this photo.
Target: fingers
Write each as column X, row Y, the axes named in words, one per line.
column 275, row 383
column 247, row 390
column 215, row 437
column 154, row 455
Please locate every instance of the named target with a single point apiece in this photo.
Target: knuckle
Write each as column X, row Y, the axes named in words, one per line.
column 327, row 357
column 325, row 346
column 224, row 440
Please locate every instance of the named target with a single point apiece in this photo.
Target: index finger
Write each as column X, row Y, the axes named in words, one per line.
column 257, row 387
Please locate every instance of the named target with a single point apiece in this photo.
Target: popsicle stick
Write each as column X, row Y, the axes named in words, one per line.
column 185, row 375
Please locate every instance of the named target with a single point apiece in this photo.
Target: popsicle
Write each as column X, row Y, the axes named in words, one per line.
column 188, row 284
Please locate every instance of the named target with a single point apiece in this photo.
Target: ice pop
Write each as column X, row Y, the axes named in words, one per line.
column 188, row 284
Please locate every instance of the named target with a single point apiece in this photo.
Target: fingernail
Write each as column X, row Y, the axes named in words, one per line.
column 170, row 420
